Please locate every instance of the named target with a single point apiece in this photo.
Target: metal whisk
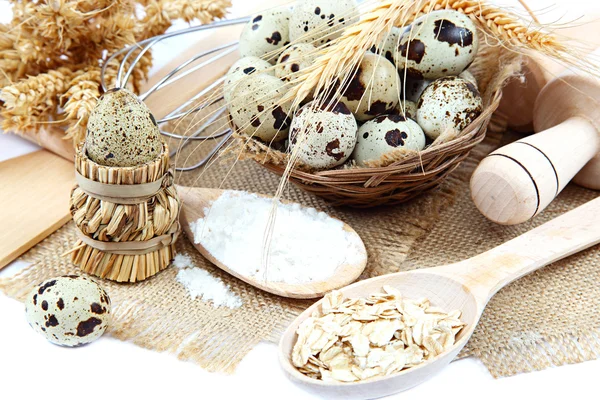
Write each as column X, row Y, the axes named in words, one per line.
column 203, row 60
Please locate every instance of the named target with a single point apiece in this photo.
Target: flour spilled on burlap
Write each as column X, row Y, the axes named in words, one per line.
column 202, row 285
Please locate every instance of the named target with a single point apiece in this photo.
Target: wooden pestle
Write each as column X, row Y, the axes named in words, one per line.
column 520, row 93
column 517, row 181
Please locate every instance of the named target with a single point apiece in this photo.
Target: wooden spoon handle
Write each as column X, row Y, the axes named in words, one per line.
column 517, row 181
column 570, row 233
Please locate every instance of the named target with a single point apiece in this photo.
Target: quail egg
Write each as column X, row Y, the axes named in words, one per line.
column 324, row 135
column 241, row 68
column 294, row 59
column 450, row 103
column 320, row 21
column 373, row 89
column 389, row 45
column 121, row 131
column 438, row 44
column 266, row 33
column 256, row 108
column 69, row 310
column 385, row 134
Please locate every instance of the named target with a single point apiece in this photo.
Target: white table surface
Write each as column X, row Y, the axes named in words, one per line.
column 31, row 367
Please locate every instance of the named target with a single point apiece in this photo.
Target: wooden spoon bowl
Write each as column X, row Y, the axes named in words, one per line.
column 442, row 291
column 467, row 286
column 195, row 200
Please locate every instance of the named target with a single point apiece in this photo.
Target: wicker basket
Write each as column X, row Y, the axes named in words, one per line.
column 126, row 218
column 410, row 176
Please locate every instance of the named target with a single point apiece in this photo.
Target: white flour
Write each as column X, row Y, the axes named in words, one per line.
column 182, row 261
column 306, row 246
column 200, row 283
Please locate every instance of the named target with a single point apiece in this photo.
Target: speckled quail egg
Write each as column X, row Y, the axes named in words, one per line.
column 266, row 33
column 389, row 44
column 448, row 104
column 241, row 68
column 441, row 43
column 69, row 310
column 121, row 131
column 294, row 59
column 324, row 135
column 374, row 88
column 256, row 110
column 320, row 21
column 384, row 134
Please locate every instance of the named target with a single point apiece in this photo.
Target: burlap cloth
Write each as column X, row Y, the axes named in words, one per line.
column 548, row 318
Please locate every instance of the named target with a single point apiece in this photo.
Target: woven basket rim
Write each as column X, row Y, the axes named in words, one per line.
column 159, row 161
column 467, row 139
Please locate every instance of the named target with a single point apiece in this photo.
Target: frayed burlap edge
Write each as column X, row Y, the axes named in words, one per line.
column 544, row 352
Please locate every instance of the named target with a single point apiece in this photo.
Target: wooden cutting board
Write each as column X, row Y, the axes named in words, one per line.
column 34, row 201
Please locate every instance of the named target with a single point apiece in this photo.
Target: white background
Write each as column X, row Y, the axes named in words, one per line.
column 30, row 367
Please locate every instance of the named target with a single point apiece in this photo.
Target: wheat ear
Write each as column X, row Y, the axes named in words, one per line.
column 510, row 30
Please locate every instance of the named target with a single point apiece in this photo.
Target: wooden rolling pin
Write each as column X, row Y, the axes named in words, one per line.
column 520, row 93
column 517, row 181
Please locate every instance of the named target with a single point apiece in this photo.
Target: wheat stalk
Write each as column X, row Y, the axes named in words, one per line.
column 159, row 14
column 81, row 98
column 510, row 30
column 34, row 90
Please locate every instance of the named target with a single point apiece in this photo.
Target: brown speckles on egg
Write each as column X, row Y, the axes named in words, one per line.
column 413, row 50
column 379, row 107
column 356, row 88
column 255, row 121
column 260, row 92
column 309, row 18
column 51, row 321
column 86, row 327
column 395, row 137
column 97, row 308
column 294, row 59
column 447, row 31
column 444, row 44
column 384, row 134
column 240, row 71
column 45, row 305
column 332, row 149
column 265, row 33
column 274, row 39
column 330, row 135
column 373, row 89
column 46, row 285
column 448, row 104
column 121, row 114
column 282, row 120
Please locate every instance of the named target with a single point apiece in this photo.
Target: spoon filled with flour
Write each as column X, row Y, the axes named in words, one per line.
column 282, row 248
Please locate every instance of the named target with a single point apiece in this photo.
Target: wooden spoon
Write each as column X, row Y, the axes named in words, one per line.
column 196, row 199
column 467, row 286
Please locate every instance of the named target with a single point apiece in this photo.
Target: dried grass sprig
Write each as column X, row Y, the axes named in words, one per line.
column 161, row 13
column 50, row 45
column 81, row 96
column 34, row 90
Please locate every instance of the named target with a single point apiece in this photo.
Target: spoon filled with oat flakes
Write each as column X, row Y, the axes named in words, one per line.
column 387, row 334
